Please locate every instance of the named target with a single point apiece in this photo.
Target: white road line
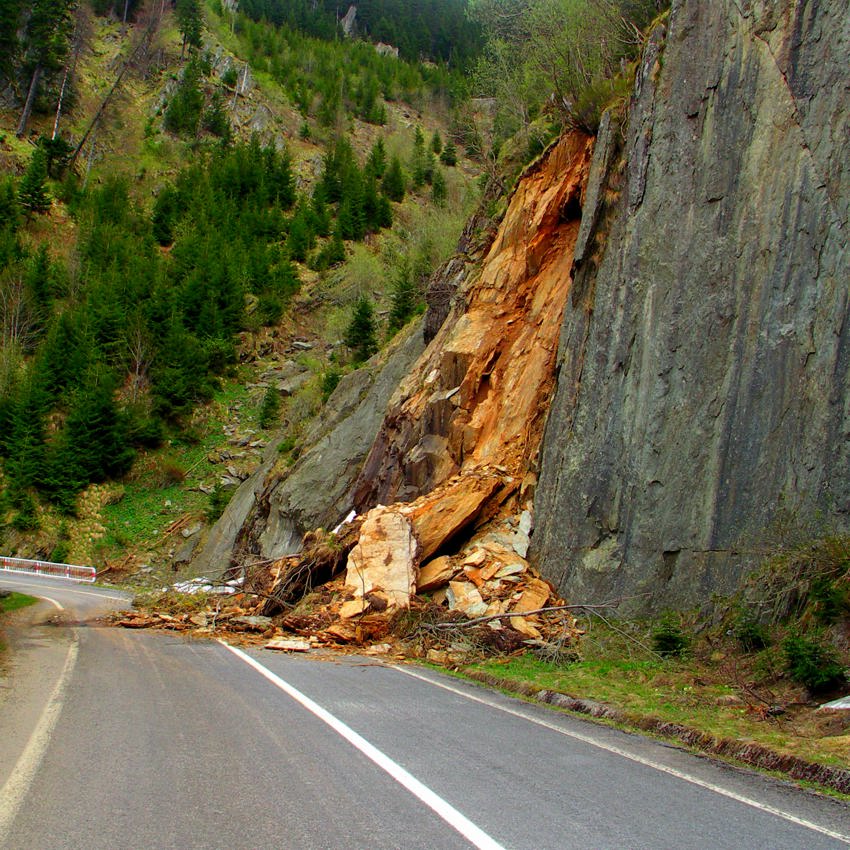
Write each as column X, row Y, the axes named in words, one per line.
column 13, row 583
column 587, row 739
column 17, row 785
column 476, row 836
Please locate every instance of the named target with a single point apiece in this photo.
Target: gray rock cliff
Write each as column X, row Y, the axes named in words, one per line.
column 703, row 363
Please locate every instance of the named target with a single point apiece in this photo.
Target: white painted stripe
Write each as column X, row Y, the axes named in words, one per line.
column 476, row 836
column 38, row 586
column 594, row 742
column 20, row 779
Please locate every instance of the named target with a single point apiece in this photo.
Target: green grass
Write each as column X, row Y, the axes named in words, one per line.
column 15, row 602
column 707, row 690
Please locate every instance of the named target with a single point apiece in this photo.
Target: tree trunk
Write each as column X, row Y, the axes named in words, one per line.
column 25, row 115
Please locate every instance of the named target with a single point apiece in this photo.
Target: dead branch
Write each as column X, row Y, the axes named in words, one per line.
column 477, row 620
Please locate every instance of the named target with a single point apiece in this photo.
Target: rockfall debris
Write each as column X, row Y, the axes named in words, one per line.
column 384, row 583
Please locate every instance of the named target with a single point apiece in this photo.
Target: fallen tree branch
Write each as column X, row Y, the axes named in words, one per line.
column 546, row 610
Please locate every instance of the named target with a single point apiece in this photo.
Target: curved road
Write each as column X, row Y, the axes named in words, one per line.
column 148, row 740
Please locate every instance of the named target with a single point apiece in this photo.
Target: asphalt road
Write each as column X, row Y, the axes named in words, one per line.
column 154, row 741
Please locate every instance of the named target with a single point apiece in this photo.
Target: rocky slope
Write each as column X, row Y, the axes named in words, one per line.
column 679, row 311
column 702, row 398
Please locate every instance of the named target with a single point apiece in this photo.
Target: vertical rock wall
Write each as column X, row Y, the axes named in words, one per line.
column 703, row 364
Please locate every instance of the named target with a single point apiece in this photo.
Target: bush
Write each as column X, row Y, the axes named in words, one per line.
column 270, row 409
column 170, row 473
column 330, row 380
column 750, row 633
column 668, row 639
column 218, row 502
column 812, row 662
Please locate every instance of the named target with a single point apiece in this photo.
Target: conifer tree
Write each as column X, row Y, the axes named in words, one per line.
column 270, row 409
column 404, row 299
column 9, row 210
column 10, row 17
column 436, row 143
column 438, row 188
column 360, row 336
column 46, row 40
column 377, row 161
column 190, row 24
column 32, row 192
column 393, row 182
column 449, row 154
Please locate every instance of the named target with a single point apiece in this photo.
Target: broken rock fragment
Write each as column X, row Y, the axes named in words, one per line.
column 435, row 574
column 383, row 563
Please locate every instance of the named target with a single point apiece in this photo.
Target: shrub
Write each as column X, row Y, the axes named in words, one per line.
column 330, row 380
column 812, row 662
column 218, row 502
column 270, row 408
column 360, row 335
column 170, row 473
column 750, row 633
column 668, row 639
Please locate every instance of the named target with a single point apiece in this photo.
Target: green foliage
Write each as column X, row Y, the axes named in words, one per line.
column 190, row 22
column 218, row 502
column 561, row 54
column 270, row 408
column 438, row 188
column 439, row 29
column 449, row 154
column 361, row 334
column 215, row 118
column 32, row 192
column 183, row 115
column 393, row 183
column 811, row 662
column 230, row 77
column 405, row 298
column 749, row 632
column 330, row 381
column 668, row 638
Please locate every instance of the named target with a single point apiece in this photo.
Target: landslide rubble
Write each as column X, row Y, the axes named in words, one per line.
column 434, row 554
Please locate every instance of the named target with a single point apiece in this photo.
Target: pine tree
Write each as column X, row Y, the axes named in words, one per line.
column 393, row 183
column 10, row 47
column 9, row 211
column 405, row 299
column 46, row 39
column 215, row 118
column 360, row 336
column 449, row 154
column 438, row 188
column 270, row 409
column 190, row 23
column 436, row 143
column 377, row 161
column 32, row 192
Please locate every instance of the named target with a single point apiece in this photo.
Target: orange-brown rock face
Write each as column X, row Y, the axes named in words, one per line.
column 478, row 395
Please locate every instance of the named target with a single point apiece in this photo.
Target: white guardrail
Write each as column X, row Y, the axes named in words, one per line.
column 72, row 572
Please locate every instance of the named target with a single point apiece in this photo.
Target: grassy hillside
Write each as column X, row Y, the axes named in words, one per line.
column 178, row 272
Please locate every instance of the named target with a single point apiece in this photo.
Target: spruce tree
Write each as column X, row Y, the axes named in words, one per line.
column 438, row 188
column 449, row 154
column 377, row 161
column 436, row 143
column 10, row 17
column 46, row 39
column 32, row 192
column 360, row 336
column 190, row 23
column 393, row 182
column 270, row 409
column 405, row 299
